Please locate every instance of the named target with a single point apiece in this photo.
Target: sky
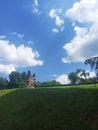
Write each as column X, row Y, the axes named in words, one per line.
column 51, row 38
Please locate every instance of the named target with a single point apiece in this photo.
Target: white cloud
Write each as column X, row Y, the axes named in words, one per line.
column 92, row 74
column 36, row 2
column 76, row 49
column 35, row 7
column 21, row 56
column 52, row 13
column 84, row 11
column 63, row 79
column 55, row 30
column 56, row 16
column 62, row 28
column 6, row 69
column 66, row 60
column 2, row 37
column 30, row 43
column 21, row 36
column 84, row 44
column 59, row 21
column 54, row 75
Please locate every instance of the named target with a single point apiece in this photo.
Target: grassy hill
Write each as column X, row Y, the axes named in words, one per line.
column 61, row 108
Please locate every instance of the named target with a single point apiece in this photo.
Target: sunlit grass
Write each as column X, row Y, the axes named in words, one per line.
column 6, row 91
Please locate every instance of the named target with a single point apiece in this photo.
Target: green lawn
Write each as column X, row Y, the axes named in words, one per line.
column 56, row 108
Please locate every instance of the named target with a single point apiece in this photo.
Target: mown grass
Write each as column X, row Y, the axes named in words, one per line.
column 56, row 108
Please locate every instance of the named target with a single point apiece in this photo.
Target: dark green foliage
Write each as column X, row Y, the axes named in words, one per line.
column 24, row 76
column 83, row 73
column 19, row 79
column 73, row 77
column 47, row 83
column 28, row 74
column 34, row 75
column 3, row 83
column 49, row 109
column 16, row 80
column 79, row 77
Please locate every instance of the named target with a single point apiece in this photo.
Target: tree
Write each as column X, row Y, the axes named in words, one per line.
column 28, row 74
column 16, row 80
column 3, row 83
column 79, row 76
column 24, row 77
column 82, row 73
column 85, row 74
column 47, row 83
column 73, row 77
column 93, row 62
column 78, row 71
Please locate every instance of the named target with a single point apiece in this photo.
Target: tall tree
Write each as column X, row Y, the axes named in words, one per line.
column 83, row 74
column 16, row 80
column 24, row 76
column 73, row 77
column 79, row 76
column 78, row 71
column 93, row 62
column 28, row 74
column 3, row 83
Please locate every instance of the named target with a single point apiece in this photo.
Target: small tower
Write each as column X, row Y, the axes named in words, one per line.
column 31, row 81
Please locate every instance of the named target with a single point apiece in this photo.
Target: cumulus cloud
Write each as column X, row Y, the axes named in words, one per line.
column 84, row 44
column 63, row 79
column 35, row 7
column 21, row 56
column 6, row 69
column 56, row 15
column 84, row 11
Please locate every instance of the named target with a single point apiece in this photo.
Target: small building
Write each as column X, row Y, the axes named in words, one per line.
column 31, row 82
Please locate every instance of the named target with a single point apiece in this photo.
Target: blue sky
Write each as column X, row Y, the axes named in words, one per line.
column 49, row 37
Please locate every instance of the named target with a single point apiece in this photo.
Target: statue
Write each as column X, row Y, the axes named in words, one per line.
column 31, row 81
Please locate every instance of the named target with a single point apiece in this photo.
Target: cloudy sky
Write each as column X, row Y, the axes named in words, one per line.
column 49, row 37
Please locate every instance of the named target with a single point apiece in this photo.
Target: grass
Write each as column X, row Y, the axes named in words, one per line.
column 56, row 108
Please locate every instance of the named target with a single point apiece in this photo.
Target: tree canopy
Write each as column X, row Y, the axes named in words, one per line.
column 16, row 80
column 79, row 77
column 93, row 62
column 3, row 83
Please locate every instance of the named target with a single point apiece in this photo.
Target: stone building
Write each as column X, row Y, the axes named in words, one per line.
column 31, row 82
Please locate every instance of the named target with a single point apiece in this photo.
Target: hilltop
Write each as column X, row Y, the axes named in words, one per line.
column 56, row 108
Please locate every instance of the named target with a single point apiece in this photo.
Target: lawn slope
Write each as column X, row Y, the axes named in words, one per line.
column 49, row 109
